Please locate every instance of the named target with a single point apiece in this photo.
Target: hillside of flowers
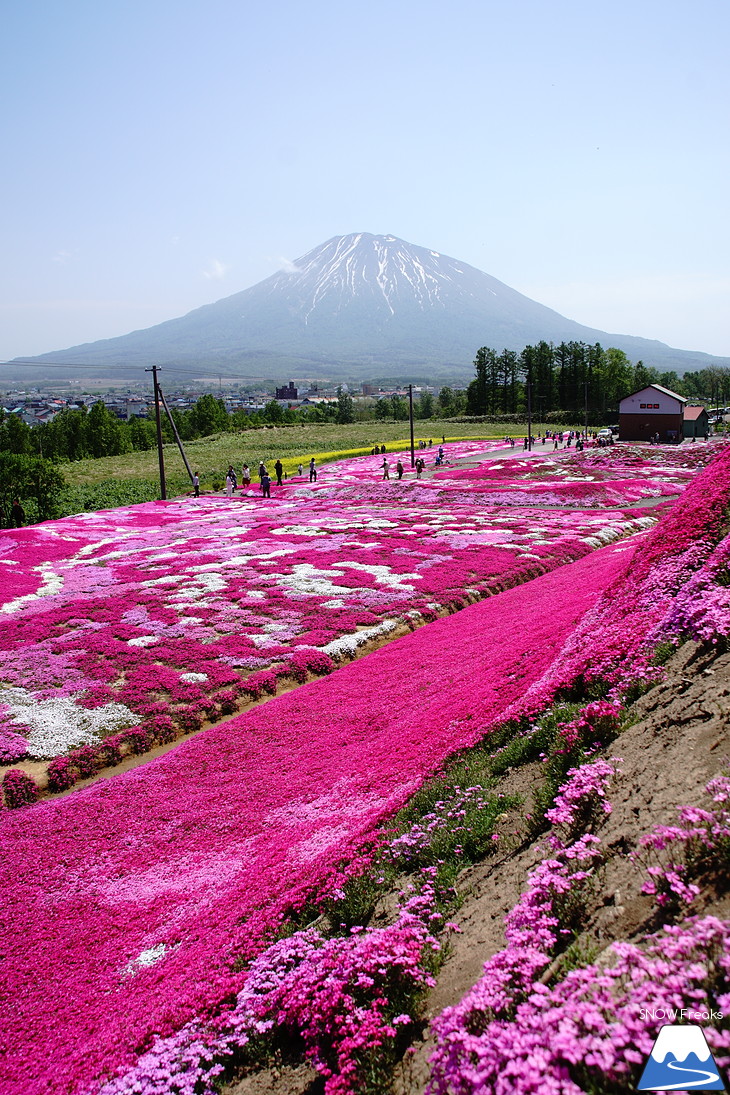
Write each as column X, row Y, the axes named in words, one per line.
column 131, row 626
column 178, row 921
column 138, row 894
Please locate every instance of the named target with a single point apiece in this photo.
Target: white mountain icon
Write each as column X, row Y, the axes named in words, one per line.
column 681, row 1060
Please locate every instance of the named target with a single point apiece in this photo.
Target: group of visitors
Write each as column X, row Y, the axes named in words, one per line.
column 419, row 464
column 558, row 438
column 231, row 482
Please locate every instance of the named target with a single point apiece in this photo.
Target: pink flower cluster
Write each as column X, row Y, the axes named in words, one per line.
column 342, row 997
column 638, row 611
column 594, row 1030
column 596, row 722
column 512, row 1035
column 679, row 853
column 583, row 795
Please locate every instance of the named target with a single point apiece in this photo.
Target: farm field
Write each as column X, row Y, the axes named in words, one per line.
column 291, row 444
column 144, row 898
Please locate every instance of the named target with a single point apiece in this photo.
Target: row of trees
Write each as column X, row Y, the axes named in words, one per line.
column 562, row 378
column 574, row 375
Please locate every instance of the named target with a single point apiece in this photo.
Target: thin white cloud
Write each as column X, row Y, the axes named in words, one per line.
column 216, row 270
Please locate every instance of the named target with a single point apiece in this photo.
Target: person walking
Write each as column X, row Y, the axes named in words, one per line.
column 399, row 469
column 300, row 469
column 266, row 485
column 279, row 469
column 245, row 476
column 232, row 474
column 196, row 486
column 386, row 469
column 420, row 465
column 262, row 470
column 229, row 486
column 312, row 471
column 17, row 514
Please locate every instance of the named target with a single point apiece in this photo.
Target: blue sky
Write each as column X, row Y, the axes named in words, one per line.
column 162, row 154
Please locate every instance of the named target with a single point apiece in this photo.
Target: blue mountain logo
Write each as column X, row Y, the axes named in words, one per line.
column 681, row 1061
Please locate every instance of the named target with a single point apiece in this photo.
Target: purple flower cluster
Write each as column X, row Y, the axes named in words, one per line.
column 582, row 798
column 594, row 1030
column 676, row 854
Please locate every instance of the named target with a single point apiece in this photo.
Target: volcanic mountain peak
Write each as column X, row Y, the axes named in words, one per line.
column 360, row 305
column 383, row 269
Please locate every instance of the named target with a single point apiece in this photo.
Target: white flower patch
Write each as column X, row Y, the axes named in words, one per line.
column 50, row 583
column 384, row 575
column 143, row 640
column 194, row 678
column 295, row 530
column 165, row 580
column 347, row 645
column 148, row 958
column 199, row 586
column 58, row 725
column 312, row 581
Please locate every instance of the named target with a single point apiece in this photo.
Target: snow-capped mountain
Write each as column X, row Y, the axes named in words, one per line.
column 360, row 305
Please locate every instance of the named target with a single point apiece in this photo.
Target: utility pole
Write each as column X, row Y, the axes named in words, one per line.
column 410, row 415
column 529, row 411
column 160, row 457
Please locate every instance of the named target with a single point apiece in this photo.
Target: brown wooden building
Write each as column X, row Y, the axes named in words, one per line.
column 652, row 411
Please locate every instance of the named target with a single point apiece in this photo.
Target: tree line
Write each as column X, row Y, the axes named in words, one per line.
column 79, row 433
column 574, row 376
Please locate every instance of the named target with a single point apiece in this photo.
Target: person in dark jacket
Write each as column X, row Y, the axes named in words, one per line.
column 17, row 514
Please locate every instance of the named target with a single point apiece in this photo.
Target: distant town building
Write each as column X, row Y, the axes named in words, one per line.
column 288, row 391
column 368, row 389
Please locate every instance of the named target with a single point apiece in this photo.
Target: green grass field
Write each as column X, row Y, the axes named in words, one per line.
column 210, row 456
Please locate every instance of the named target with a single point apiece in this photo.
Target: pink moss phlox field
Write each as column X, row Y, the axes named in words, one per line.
column 173, row 608
column 136, row 894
